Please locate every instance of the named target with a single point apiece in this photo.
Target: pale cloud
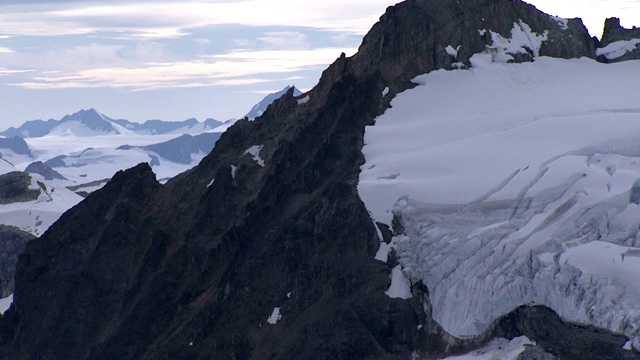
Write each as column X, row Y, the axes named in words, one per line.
column 285, row 40
column 237, row 68
column 4, row 71
column 202, row 41
column 170, row 19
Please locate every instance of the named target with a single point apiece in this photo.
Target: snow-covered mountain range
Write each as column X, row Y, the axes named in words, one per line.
column 79, row 153
column 91, row 122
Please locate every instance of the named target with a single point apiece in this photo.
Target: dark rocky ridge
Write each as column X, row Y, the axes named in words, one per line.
column 193, row 269
column 12, row 243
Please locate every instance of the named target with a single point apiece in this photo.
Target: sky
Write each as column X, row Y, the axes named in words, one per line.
column 177, row 59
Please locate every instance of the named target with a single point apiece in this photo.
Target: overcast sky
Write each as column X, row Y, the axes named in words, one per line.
column 176, row 59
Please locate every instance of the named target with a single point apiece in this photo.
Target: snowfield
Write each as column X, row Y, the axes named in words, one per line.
column 516, row 184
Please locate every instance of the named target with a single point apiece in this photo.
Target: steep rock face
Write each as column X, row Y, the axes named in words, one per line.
column 264, row 250
column 86, row 262
column 12, row 243
column 412, row 38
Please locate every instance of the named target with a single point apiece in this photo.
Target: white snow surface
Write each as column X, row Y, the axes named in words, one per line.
column 275, row 316
column 515, row 185
column 618, row 49
column 497, row 349
column 451, row 51
column 400, row 286
column 254, row 151
column 564, row 23
column 6, row 303
column 92, row 158
column 303, row 100
column 522, row 40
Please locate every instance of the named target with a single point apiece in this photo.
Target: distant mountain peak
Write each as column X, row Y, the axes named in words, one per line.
column 259, row 108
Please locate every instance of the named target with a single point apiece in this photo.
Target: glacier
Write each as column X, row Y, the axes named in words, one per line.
column 515, row 184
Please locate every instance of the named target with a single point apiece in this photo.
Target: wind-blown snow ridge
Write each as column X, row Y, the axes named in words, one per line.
column 516, row 184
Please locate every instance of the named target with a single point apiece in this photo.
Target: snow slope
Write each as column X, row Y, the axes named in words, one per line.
column 517, row 184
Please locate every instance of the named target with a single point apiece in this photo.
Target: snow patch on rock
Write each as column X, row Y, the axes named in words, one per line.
column 254, row 151
column 275, row 316
column 6, row 303
column 303, row 100
column 523, row 41
column 400, row 286
column 451, row 51
column 564, row 23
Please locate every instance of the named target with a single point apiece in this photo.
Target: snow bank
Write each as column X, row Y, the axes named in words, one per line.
column 517, row 184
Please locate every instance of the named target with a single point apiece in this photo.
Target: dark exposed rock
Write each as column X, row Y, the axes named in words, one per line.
column 614, row 32
column 564, row 340
column 193, row 269
column 32, row 128
column 182, row 148
column 38, row 167
column 14, row 187
column 532, row 352
column 12, row 243
column 411, row 38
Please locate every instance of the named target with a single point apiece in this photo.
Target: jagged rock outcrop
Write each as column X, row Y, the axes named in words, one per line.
column 411, row 39
column 16, row 187
column 618, row 44
column 264, row 250
column 12, row 243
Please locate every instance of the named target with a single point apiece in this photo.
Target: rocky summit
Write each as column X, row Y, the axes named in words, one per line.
column 265, row 249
